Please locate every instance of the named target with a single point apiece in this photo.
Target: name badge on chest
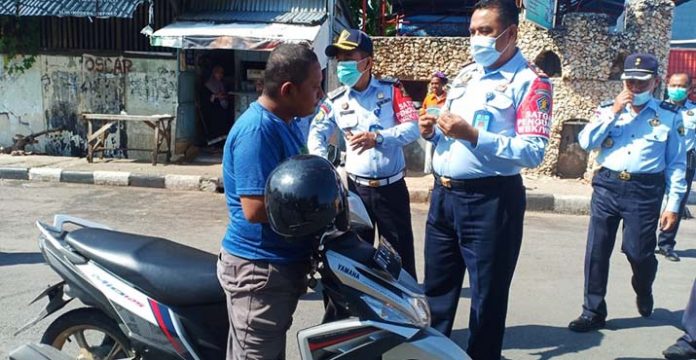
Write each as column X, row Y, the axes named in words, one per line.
column 482, row 119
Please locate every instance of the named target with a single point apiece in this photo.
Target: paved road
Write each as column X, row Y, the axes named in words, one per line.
column 546, row 293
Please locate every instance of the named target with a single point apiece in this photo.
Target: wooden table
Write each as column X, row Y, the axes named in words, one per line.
column 96, row 140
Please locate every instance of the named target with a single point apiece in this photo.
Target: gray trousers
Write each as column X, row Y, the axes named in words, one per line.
column 261, row 298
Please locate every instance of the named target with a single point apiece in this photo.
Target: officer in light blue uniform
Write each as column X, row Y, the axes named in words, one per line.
column 641, row 150
column 496, row 121
column 677, row 91
column 377, row 119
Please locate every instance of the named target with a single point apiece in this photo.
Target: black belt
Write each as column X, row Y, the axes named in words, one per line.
column 627, row 176
column 484, row 182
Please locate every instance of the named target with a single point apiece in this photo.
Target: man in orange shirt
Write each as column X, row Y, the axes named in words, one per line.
column 437, row 95
column 435, row 99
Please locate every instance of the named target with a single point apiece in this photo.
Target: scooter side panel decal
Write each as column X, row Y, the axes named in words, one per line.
column 182, row 334
column 118, row 291
column 164, row 321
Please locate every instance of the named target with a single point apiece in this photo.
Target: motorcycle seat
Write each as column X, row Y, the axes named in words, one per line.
column 169, row 272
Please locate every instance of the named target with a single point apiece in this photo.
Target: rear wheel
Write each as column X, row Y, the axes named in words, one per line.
column 87, row 334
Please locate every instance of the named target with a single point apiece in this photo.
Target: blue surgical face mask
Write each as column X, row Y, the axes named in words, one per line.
column 641, row 98
column 348, row 73
column 483, row 49
column 677, row 94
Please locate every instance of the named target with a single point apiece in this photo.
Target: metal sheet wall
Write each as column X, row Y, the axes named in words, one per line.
column 682, row 60
column 112, row 34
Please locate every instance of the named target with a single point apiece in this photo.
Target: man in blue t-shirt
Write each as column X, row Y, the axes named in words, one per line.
column 263, row 274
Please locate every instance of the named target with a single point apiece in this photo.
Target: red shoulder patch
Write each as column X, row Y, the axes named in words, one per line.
column 534, row 115
column 403, row 107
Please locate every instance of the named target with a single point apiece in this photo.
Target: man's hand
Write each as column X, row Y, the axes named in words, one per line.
column 668, row 220
column 456, row 127
column 426, row 125
column 362, row 141
column 624, row 98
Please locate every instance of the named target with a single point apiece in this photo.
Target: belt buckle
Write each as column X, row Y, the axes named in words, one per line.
column 373, row 183
column 625, row 175
column 446, row 182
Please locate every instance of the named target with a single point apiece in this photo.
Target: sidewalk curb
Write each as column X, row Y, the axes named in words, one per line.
column 558, row 204
column 536, row 202
column 114, row 178
column 14, row 173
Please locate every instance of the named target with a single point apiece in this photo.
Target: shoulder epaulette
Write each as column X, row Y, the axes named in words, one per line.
column 606, row 103
column 536, row 70
column 388, row 80
column 332, row 95
column 669, row 106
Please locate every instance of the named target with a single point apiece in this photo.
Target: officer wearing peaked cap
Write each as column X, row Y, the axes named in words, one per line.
column 642, row 157
column 377, row 119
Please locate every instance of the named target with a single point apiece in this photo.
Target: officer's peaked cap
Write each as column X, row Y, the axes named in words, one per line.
column 640, row 67
column 348, row 40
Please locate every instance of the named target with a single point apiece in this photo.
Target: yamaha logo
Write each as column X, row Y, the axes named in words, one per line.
column 350, row 272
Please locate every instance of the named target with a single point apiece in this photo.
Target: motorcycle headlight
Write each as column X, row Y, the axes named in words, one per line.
column 417, row 314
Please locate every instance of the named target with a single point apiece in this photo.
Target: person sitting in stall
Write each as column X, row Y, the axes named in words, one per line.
column 215, row 103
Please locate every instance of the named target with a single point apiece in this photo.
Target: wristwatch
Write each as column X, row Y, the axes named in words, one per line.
column 379, row 139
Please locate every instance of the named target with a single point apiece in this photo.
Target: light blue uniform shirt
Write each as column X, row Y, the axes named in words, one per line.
column 688, row 113
column 369, row 110
column 645, row 143
column 518, row 103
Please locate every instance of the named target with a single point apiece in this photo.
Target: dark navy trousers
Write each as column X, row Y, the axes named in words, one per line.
column 637, row 202
column 667, row 239
column 477, row 226
column 389, row 208
column 689, row 320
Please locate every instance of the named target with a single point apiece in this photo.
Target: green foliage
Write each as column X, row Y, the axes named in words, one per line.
column 372, row 23
column 19, row 43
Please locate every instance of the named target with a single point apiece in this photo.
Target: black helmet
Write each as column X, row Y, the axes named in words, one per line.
column 304, row 195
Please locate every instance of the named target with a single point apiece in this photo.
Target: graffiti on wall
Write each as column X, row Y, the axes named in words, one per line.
column 106, row 65
column 156, row 88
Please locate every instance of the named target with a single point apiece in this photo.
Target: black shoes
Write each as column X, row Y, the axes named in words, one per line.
column 679, row 352
column 669, row 254
column 587, row 323
column 645, row 305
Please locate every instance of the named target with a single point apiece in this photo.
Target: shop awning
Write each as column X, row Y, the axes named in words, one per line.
column 238, row 36
column 77, row 8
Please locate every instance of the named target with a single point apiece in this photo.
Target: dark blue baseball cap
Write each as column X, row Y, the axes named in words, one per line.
column 349, row 40
column 640, row 67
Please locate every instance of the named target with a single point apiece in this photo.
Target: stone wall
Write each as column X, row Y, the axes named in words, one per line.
column 591, row 57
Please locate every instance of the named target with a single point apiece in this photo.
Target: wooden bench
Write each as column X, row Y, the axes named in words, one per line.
column 96, row 140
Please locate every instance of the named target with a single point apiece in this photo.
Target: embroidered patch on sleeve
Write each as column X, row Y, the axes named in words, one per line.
column 324, row 111
column 404, row 110
column 534, row 115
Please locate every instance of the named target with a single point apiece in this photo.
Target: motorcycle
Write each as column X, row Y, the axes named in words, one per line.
column 152, row 298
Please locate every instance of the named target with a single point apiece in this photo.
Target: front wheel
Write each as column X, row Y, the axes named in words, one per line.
column 87, row 334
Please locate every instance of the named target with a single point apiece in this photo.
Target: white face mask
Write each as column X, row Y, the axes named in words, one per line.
column 483, row 49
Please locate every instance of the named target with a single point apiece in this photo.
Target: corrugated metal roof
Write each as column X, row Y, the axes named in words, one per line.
column 78, row 8
column 259, row 5
column 304, row 12
column 291, row 17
